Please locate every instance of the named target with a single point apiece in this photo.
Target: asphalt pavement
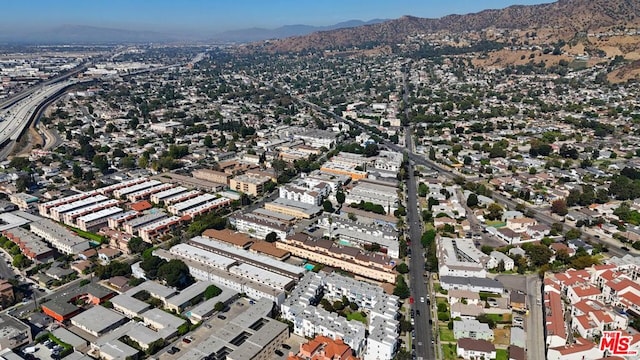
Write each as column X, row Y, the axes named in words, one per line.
column 421, row 307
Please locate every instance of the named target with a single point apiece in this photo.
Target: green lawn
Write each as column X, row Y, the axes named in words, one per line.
column 499, row 318
column 449, row 351
column 446, row 334
column 502, row 354
column 357, row 316
column 88, row 235
column 496, row 223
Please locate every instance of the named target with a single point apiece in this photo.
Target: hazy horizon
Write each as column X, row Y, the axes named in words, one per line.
column 198, row 16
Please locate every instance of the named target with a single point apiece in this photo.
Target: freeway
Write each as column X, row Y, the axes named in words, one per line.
column 17, row 117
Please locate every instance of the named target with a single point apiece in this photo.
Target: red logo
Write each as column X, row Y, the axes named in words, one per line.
column 616, row 343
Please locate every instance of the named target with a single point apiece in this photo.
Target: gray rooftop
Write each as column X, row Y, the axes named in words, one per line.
column 97, row 319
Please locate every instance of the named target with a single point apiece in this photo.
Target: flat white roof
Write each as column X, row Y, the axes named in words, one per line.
column 208, row 204
column 79, row 203
column 133, row 188
column 100, row 214
column 170, row 192
column 269, row 261
column 203, row 256
column 177, row 207
column 161, row 223
column 260, row 275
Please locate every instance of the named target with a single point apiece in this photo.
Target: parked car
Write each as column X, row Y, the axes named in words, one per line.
column 186, row 340
column 222, row 317
column 279, row 353
column 286, row 346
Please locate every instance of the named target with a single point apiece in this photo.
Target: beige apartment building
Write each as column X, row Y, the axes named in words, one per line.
column 250, row 184
column 211, row 175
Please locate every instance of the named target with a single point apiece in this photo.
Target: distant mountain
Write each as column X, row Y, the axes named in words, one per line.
column 81, row 34
column 564, row 18
column 259, row 34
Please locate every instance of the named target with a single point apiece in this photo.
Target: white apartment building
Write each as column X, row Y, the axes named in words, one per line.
column 259, row 226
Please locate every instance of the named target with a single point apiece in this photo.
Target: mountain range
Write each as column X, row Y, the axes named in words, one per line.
column 565, row 18
column 257, row 34
column 83, row 34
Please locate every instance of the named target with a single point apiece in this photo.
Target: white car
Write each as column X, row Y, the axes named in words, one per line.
column 421, row 299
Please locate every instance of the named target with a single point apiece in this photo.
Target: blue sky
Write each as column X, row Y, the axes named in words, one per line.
column 220, row 15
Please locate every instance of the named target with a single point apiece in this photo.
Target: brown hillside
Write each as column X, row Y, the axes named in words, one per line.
column 565, row 18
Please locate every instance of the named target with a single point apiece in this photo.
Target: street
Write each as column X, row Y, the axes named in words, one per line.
column 421, row 306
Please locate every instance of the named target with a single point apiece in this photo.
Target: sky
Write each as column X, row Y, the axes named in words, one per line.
column 214, row 16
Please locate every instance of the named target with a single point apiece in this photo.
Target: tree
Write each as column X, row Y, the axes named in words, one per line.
column 137, row 246
column 402, row 268
column 401, row 290
column 211, row 291
column 101, row 162
column 151, row 265
column 486, row 249
column 175, row 273
column 370, row 150
column 327, row 206
column 495, row 211
column 77, row 171
column 340, row 197
column 559, row 207
column 538, row 254
column 271, row 237
column 219, row 306
column 20, row 261
column 208, row 141
column 472, row 200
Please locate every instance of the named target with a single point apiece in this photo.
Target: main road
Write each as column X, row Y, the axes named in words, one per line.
column 417, row 279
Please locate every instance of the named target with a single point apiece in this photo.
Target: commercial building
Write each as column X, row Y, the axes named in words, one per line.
column 59, row 237
column 377, row 193
column 331, row 167
column 317, row 138
column 60, row 306
column 373, row 266
column 251, row 184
